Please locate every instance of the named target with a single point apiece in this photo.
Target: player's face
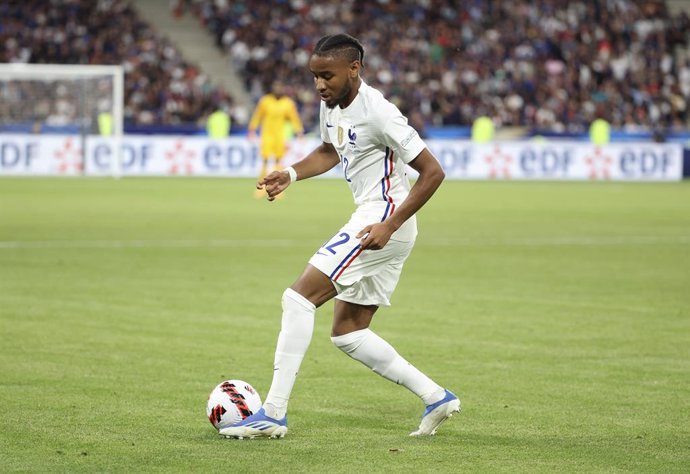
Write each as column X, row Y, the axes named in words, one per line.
column 335, row 78
column 277, row 89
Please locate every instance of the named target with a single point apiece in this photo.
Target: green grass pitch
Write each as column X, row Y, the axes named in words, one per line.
column 558, row 312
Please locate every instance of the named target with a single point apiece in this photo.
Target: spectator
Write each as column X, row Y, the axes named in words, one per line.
column 160, row 86
column 537, row 63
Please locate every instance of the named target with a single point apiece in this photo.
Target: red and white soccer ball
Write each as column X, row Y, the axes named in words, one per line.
column 231, row 402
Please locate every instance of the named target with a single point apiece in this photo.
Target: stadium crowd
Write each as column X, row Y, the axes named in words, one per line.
column 161, row 87
column 544, row 64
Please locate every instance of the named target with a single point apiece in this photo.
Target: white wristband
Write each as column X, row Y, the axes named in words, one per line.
column 293, row 174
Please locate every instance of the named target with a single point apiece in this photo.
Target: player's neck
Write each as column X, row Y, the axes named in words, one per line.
column 353, row 93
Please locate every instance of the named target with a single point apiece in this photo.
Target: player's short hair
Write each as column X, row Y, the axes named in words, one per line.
column 342, row 43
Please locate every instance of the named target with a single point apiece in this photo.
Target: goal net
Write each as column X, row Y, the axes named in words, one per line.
column 79, row 100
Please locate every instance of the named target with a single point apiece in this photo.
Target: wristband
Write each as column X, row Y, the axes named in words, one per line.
column 293, row 174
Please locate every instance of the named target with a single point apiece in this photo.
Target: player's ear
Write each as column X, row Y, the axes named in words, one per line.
column 355, row 66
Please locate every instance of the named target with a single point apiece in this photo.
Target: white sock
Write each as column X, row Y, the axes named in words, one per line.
column 296, row 330
column 368, row 348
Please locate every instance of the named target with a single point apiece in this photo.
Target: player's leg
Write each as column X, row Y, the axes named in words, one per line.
column 279, row 152
column 263, row 172
column 274, row 150
column 352, row 335
column 278, row 162
column 353, row 312
column 299, row 303
column 266, row 152
column 265, row 166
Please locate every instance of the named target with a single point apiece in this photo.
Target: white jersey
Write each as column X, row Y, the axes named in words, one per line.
column 374, row 143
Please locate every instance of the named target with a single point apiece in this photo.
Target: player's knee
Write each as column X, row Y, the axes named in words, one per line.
column 349, row 342
column 293, row 300
column 314, row 286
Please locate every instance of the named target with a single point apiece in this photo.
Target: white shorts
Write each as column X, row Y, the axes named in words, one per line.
column 366, row 277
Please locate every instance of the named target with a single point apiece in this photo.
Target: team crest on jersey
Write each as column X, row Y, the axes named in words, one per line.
column 351, row 137
column 341, row 135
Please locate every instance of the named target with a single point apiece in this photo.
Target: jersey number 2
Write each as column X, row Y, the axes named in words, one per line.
column 344, row 237
column 346, row 163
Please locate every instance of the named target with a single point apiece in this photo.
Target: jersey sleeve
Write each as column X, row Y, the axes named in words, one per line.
column 322, row 124
column 257, row 115
column 401, row 137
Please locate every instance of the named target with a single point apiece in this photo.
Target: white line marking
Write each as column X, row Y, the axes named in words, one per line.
column 116, row 244
column 564, row 241
column 268, row 243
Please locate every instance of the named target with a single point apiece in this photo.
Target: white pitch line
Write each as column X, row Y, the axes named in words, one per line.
column 117, row 244
column 563, row 241
column 268, row 243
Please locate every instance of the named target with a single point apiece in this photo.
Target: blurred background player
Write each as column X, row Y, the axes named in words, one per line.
column 218, row 123
column 277, row 117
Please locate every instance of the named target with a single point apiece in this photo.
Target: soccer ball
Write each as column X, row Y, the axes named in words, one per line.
column 231, row 402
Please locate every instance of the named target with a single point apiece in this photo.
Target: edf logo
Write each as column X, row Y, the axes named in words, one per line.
column 218, row 158
column 546, row 161
column 18, row 155
column 135, row 156
column 645, row 162
column 454, row 159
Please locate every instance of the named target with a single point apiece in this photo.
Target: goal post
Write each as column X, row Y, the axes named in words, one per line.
column 80, row 100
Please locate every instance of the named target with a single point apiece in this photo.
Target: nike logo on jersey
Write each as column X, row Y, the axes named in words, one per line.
column 328, row 125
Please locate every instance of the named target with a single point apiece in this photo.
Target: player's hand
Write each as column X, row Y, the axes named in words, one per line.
column 275, row 183
column 375, row 236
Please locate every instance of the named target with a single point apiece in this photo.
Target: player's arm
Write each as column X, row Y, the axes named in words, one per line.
column 293, row 116
column 323, row 158
column 257, row 116
column 318, row 161
column 431, row 175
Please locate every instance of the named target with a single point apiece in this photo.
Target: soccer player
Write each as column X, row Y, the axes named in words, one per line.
column 271, row 115
column 360, row 265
